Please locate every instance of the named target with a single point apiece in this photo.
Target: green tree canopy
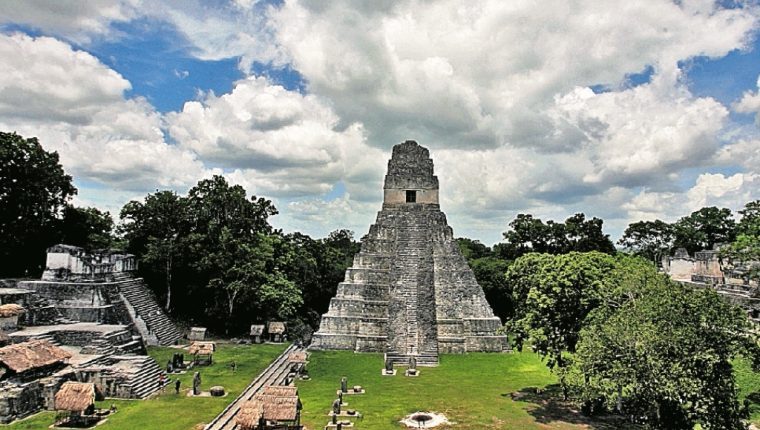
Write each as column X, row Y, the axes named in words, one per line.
column 648, row 239
column 529, row 234
column 663, row 357
column 704, row 228
column 86, row 227
column 34, row 191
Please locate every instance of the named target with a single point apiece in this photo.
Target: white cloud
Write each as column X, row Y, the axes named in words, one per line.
column 636, row 136
column 719, row 190
column 73, row 19
column 278, row 142
column 750, row 103
column 457, row 73
column 240, row 29
column 76, row 106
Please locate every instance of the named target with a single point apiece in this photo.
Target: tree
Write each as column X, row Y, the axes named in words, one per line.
column 552, row 296
column 157, row 231
column 746, row 248
column 472, row 249
column 663, row 357
column 89, row 227
column 34, row 190
column 490, row 272
column 705, row 228
column 586, row 235
column 649, row 239
column 529, row 234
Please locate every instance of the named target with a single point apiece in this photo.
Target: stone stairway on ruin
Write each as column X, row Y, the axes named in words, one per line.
column 412, row 249
column 137, row 295
column 143, row 378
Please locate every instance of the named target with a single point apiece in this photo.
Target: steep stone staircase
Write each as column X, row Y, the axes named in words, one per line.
column 144, row 306
column 410, row 266
column 139, row 375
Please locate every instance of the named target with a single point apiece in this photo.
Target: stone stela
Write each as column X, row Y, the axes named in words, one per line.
column 410, row 292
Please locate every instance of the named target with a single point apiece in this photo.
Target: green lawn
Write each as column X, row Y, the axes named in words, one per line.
column 749, row 386
column 472, row 390
column 169, row 411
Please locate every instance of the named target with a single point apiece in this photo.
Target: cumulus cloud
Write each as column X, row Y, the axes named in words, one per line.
column 279, row 142
column 708, row 190
column 635, row 136
column 76, row 106
column 73, row 19
column 750, row 103
column 463, row 74
column 239, row 29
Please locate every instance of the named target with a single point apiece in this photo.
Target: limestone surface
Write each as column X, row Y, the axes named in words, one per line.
column 410, row 292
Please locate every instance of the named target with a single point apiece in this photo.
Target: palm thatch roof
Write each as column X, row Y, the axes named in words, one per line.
column 276, row 327
column 279, row 408
column 11, row 310
column 298, row 357
column 29, row 355
column 202, row 348
column 249, row 415
column 280, row 390
column 75, row 396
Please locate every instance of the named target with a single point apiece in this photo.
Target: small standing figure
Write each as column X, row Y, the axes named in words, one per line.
column 177, row 383
column 336, row 407
column 388, row 366
column 412, row 370
column 169, row 366
column 233, row 366
column 196, row 383
column 344, row 384
column 340, row 397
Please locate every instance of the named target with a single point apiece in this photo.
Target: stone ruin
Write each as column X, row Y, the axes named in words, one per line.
column 707, row 269
column 410, row 292
column 87, row 320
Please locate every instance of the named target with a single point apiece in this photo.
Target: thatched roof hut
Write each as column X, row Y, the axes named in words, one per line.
column 11, row 310
column 278, row 408
column 280, row 390
column 202, row 348
column 276, row 327
column 29, row 355
column 75, row 396
column 298, row 357
column 249, row 415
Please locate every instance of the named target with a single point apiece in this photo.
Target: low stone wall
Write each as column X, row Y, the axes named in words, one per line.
column 19, row 401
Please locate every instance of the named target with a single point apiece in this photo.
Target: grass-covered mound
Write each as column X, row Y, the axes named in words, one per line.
column 169, row 411
column 473, row 390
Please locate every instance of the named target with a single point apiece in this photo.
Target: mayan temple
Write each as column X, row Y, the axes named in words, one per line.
column 410, row 292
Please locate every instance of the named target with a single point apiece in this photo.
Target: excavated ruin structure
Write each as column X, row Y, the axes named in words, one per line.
column 410, row 292
column 87, row 320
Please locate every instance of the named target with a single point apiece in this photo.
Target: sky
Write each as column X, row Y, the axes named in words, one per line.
column 621, row 110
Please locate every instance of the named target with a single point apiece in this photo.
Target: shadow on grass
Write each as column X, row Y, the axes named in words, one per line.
column 546, row 406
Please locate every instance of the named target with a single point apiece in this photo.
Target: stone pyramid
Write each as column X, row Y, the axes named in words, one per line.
column 410, row 291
